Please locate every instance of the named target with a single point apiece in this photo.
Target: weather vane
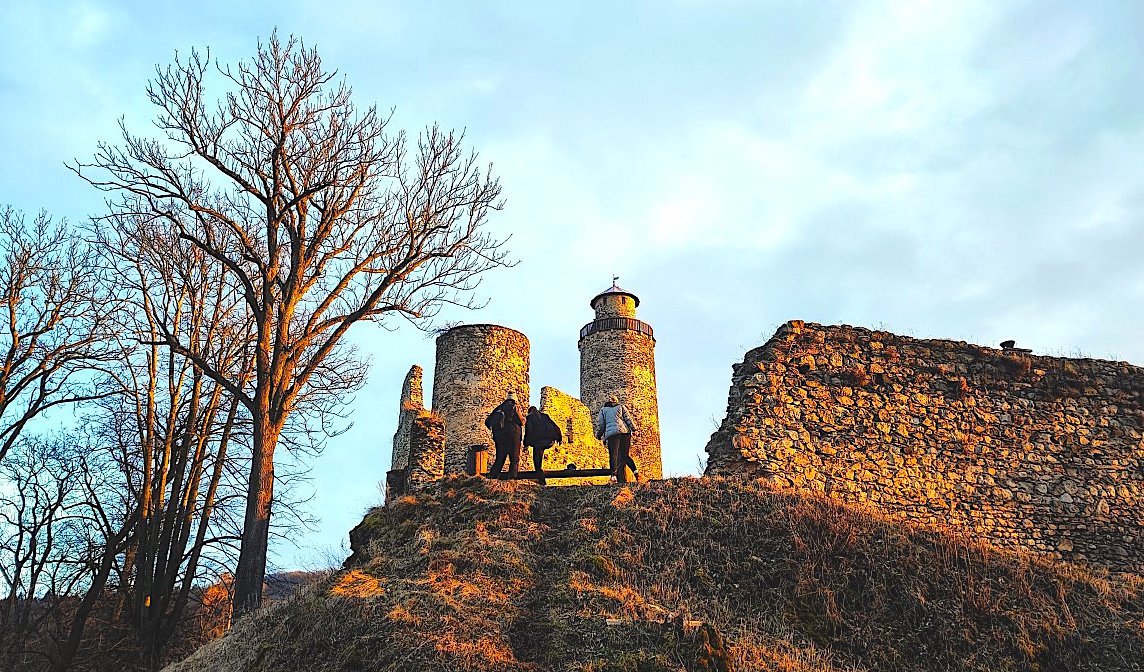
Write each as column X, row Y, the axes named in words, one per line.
column 615, row 279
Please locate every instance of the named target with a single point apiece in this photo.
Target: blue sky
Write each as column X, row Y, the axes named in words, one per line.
column 966, row 170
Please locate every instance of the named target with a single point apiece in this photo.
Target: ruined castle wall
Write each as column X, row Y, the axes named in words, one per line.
column 426, row 450
column 477, row 365
column 580, row 446
column 622, row 362
column 1024, row 451
column 411, row 404
column 421, row 438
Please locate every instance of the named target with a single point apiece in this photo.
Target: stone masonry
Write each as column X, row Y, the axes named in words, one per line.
column 412, row 403
column 418, row 444
column 617, row 356
column 477, row 365
column 580, row 446
column 1042, row 453
column 426, row 454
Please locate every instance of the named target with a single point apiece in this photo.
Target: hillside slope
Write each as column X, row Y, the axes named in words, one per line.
column 692, row 574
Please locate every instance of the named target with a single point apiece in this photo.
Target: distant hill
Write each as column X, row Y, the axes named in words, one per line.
column 685, row 574
column 281, row 585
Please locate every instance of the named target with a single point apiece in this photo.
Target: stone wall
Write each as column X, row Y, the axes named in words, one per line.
column 476, row 366
column 411, row 404
column 614, row 305
column 580, row 446
column 426, row 450
column 622, row 362
column 1043, row 453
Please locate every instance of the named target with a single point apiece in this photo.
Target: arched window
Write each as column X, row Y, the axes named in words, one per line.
column 568, row 431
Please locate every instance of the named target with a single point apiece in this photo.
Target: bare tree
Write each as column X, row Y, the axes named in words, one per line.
column 171, row 429
column 140, row 494
column 51, row 314
column 59, row 544
column 105, row 527
column 40, row 488
column 53, row 318
column 130, row 515
column 317, row 215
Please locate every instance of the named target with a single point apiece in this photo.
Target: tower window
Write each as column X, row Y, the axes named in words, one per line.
column 568, row 431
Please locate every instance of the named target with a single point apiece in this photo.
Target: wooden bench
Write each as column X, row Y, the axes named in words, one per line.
column 477, row 462
column 561, row 473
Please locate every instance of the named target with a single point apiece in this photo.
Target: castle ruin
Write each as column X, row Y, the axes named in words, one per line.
column 477, row 365
column 1039, row 453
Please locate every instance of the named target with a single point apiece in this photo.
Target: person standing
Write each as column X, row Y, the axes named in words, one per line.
column 506, row 422
column 614, row 425
column 540, row 433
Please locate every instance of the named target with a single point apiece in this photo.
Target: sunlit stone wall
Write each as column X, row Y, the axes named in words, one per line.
column 426, row 450
column 622, row 362
column 418, row 447
column 615, row 305
column 580, row 446
column 411, row 404
column 1043, row 453
column 476, row 366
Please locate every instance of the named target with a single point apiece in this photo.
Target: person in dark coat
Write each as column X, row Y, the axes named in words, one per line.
column 506, row 423
column 540, row 433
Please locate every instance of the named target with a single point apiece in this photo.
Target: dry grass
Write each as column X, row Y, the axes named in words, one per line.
column 1017, row 364
column 357, row 584
column 687, row 574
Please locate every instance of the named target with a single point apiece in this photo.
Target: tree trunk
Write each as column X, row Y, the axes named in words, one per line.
column 251, row 570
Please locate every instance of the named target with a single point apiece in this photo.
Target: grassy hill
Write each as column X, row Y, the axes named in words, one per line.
column 685, row 574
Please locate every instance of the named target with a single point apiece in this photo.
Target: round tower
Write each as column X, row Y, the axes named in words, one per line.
column 617, row 356
column 477, row 366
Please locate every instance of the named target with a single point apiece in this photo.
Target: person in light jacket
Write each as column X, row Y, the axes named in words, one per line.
column 614, row 425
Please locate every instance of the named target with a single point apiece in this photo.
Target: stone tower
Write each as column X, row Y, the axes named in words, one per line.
column 617, row 356
column 477, row 365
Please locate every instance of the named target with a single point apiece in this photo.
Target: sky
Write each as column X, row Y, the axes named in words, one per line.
column 965, row 170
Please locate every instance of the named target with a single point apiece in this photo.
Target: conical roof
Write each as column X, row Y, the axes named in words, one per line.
column 614, row 289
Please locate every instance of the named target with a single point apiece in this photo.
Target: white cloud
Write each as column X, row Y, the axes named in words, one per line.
column 90, row 24
column 690, row 214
